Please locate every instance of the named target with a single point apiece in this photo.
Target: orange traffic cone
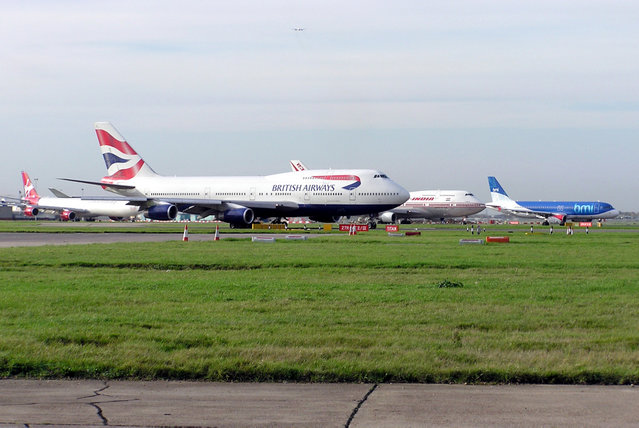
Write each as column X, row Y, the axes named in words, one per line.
column 185, row 235
column 217, row 232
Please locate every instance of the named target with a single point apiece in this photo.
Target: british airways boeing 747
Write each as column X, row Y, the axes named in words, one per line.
column 561, row 210
column 322, row 195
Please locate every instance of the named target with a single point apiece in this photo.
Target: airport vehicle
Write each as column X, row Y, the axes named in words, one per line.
column 434, row 205
column 72, row 208
column 321, row 195
column 549, row 210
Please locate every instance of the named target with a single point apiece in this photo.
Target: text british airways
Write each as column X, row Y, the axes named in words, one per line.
column 303, row 188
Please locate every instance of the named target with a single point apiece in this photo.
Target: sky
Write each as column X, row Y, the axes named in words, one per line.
column 544, row 95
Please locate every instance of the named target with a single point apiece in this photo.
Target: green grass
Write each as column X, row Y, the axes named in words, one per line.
column 542, row 309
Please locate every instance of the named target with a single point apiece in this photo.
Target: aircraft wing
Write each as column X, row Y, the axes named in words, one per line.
column 523, row 212
column 204, row 207
column 99, row 183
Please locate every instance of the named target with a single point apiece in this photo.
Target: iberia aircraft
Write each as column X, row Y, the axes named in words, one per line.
column 321, row 195
column 71, row 208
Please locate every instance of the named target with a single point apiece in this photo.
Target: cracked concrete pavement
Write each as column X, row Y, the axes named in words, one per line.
column 172, row 403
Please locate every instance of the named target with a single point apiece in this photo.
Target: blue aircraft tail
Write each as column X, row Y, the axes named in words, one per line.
column 495, row 187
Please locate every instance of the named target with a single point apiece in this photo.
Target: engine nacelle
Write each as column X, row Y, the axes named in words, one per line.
column 67, row 215
column 162, row 212
column 31, row 211
column 325, row 218
column 388, row 217
column 238, row 216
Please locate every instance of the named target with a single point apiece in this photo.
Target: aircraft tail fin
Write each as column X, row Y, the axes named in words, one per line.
column 497, row 192
column 297, row 165
column 122, row 162
column 30, row 193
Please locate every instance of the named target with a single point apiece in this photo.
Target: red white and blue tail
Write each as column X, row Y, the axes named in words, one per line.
column 30, row 194
column 122, row 162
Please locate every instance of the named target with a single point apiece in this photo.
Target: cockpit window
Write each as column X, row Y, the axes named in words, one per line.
column 469, row 194
column 380, row 176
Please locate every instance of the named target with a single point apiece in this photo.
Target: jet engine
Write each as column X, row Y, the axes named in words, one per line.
column 388, row 217
column 325, row 218
column 162, row 212
column 67, row 215
column 238, row 216
column 31, row 211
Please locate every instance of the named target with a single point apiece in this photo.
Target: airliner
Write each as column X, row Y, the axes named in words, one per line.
column 321, row 195
column 71, row 208
column 549, row 210
column 435, row 205
column 426, row 204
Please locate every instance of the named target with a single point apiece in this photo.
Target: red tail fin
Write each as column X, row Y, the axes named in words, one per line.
column 30, row 193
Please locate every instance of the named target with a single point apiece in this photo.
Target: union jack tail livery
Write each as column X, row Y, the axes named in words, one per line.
column 30, row 194
column 122, row 162
column 322, row 195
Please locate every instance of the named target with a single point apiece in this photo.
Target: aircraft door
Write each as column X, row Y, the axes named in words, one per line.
column 252, row 194
column 207, row 192
column 352, row 196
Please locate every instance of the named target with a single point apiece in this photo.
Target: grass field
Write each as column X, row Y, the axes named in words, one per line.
column 542, row 309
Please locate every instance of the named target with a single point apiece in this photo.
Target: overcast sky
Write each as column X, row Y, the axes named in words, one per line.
column 437, row 94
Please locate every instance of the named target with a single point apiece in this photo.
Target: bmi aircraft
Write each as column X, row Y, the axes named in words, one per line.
column 560, row 210
column 321, row 195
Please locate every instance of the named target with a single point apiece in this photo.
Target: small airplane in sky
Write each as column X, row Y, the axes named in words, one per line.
column 322, row 195
column 548, row 210
column 71, row 208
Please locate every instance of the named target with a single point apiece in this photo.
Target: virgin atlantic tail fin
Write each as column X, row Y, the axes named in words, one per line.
column 30, row 193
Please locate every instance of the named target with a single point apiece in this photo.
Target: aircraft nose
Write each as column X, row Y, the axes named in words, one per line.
column 614, row 213
column 403, row 194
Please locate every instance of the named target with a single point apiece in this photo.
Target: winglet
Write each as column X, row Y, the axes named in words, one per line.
column 297, row 165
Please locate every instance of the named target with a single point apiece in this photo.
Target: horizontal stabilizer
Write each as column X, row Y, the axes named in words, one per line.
column 58, row 194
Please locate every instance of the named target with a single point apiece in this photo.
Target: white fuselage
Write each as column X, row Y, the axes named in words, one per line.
column 439, row 204
column 88, row 208
column 311, row 192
